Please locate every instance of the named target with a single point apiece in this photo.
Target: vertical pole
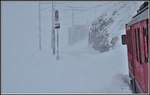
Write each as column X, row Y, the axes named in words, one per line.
column 40, row 46
column 57, row 57
column 53, row 31
column 52, row 25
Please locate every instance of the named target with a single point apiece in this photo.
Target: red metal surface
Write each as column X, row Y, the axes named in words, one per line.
column 137, row 45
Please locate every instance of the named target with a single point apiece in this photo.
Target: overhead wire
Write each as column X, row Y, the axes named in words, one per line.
column 69, row 8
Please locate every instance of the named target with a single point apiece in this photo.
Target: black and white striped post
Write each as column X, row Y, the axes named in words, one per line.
column 53, row 31
column 57, row 27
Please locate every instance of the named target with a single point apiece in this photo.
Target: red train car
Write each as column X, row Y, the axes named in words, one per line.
column 136, row 39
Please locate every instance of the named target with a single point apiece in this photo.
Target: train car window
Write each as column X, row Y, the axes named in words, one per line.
column 147, row 44
column 134, row 37
column 139, row 44
column 135, row 45
column 143, row 46
column 130, row 41
column 145, row 30
column 136, row 49
column 147, row 38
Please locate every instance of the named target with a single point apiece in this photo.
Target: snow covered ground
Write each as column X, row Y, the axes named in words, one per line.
column 26, row 69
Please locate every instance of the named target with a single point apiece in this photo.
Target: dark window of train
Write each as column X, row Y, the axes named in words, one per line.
column 135, row 54
column 136, row 44
column 128, row 33
column 145, row 30
column 139, row 44
column 143, row 55
column 147, row 37
column 130, row 42
column 147, row 44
